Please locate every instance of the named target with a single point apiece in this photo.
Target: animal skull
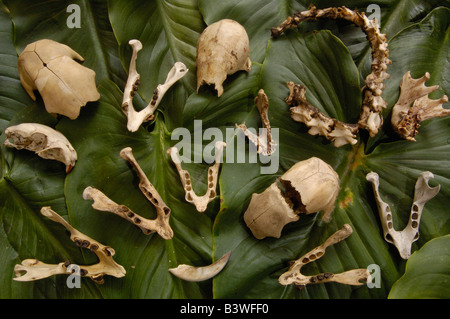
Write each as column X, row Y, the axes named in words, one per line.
column 307, row 187
column 222, row 49
column 43, row 140
column 64, row 84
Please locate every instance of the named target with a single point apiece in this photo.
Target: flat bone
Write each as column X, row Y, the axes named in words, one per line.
column 191, row 273
column 403, row 239
column 355, row 277
column 33, row 269
column 135, row 119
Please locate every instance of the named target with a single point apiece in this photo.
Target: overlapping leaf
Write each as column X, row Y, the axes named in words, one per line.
column 169, row 31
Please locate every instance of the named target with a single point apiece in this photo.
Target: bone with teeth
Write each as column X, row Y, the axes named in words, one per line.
column 160, row 224
column 414, row 106
column 373, row 103
column 33, row 269
column 191, row 273
column 302, row 111
column 43, row 140
column 404, row 239
column 355, row 277
column 200, row 202
column 265, row 144
column 135, row 118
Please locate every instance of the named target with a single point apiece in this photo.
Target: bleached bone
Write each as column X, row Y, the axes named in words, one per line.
column 355, row 277
column 33, row 269
column 200, row 202
column 191, row 273
column 64, row 84
column 43, row 140
column 135, row 119
column 160, row 224
column 373, row 103
column 414, row 106
column 265, row 144
column 403, row 239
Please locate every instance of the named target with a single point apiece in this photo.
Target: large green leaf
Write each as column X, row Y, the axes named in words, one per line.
column 427, row 273
column 332, row 66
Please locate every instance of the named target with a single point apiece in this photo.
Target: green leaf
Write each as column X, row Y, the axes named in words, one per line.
column 331, row 65
column 427, row 273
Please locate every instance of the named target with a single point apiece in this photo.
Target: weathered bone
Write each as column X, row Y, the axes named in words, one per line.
column 302, row 111
column 414, row 106
column 33, row 269
column 43, row 140
column 309, row 186
column 160, row 224
column 355, row 277
column 265, row 144
column 64, row 84
column 373, row 103
column 403, row 239
column 223, row 49
column 191, row 273
column 135, row 119
column 148, row 226
column 200, row 202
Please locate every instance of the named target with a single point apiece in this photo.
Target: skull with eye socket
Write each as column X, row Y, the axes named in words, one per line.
column 307, row 187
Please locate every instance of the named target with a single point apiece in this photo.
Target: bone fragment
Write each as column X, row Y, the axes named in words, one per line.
column 191, row 273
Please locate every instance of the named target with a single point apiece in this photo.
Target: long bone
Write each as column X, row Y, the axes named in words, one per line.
column 135, row 118
column 33, row 269
column 355, row 277
column 403, row 239
column 160, row 224
column 200, row 202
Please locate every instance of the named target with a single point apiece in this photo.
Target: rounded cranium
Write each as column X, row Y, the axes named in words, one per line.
column 64, row 84
column 307, row 187
column 222, row 49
